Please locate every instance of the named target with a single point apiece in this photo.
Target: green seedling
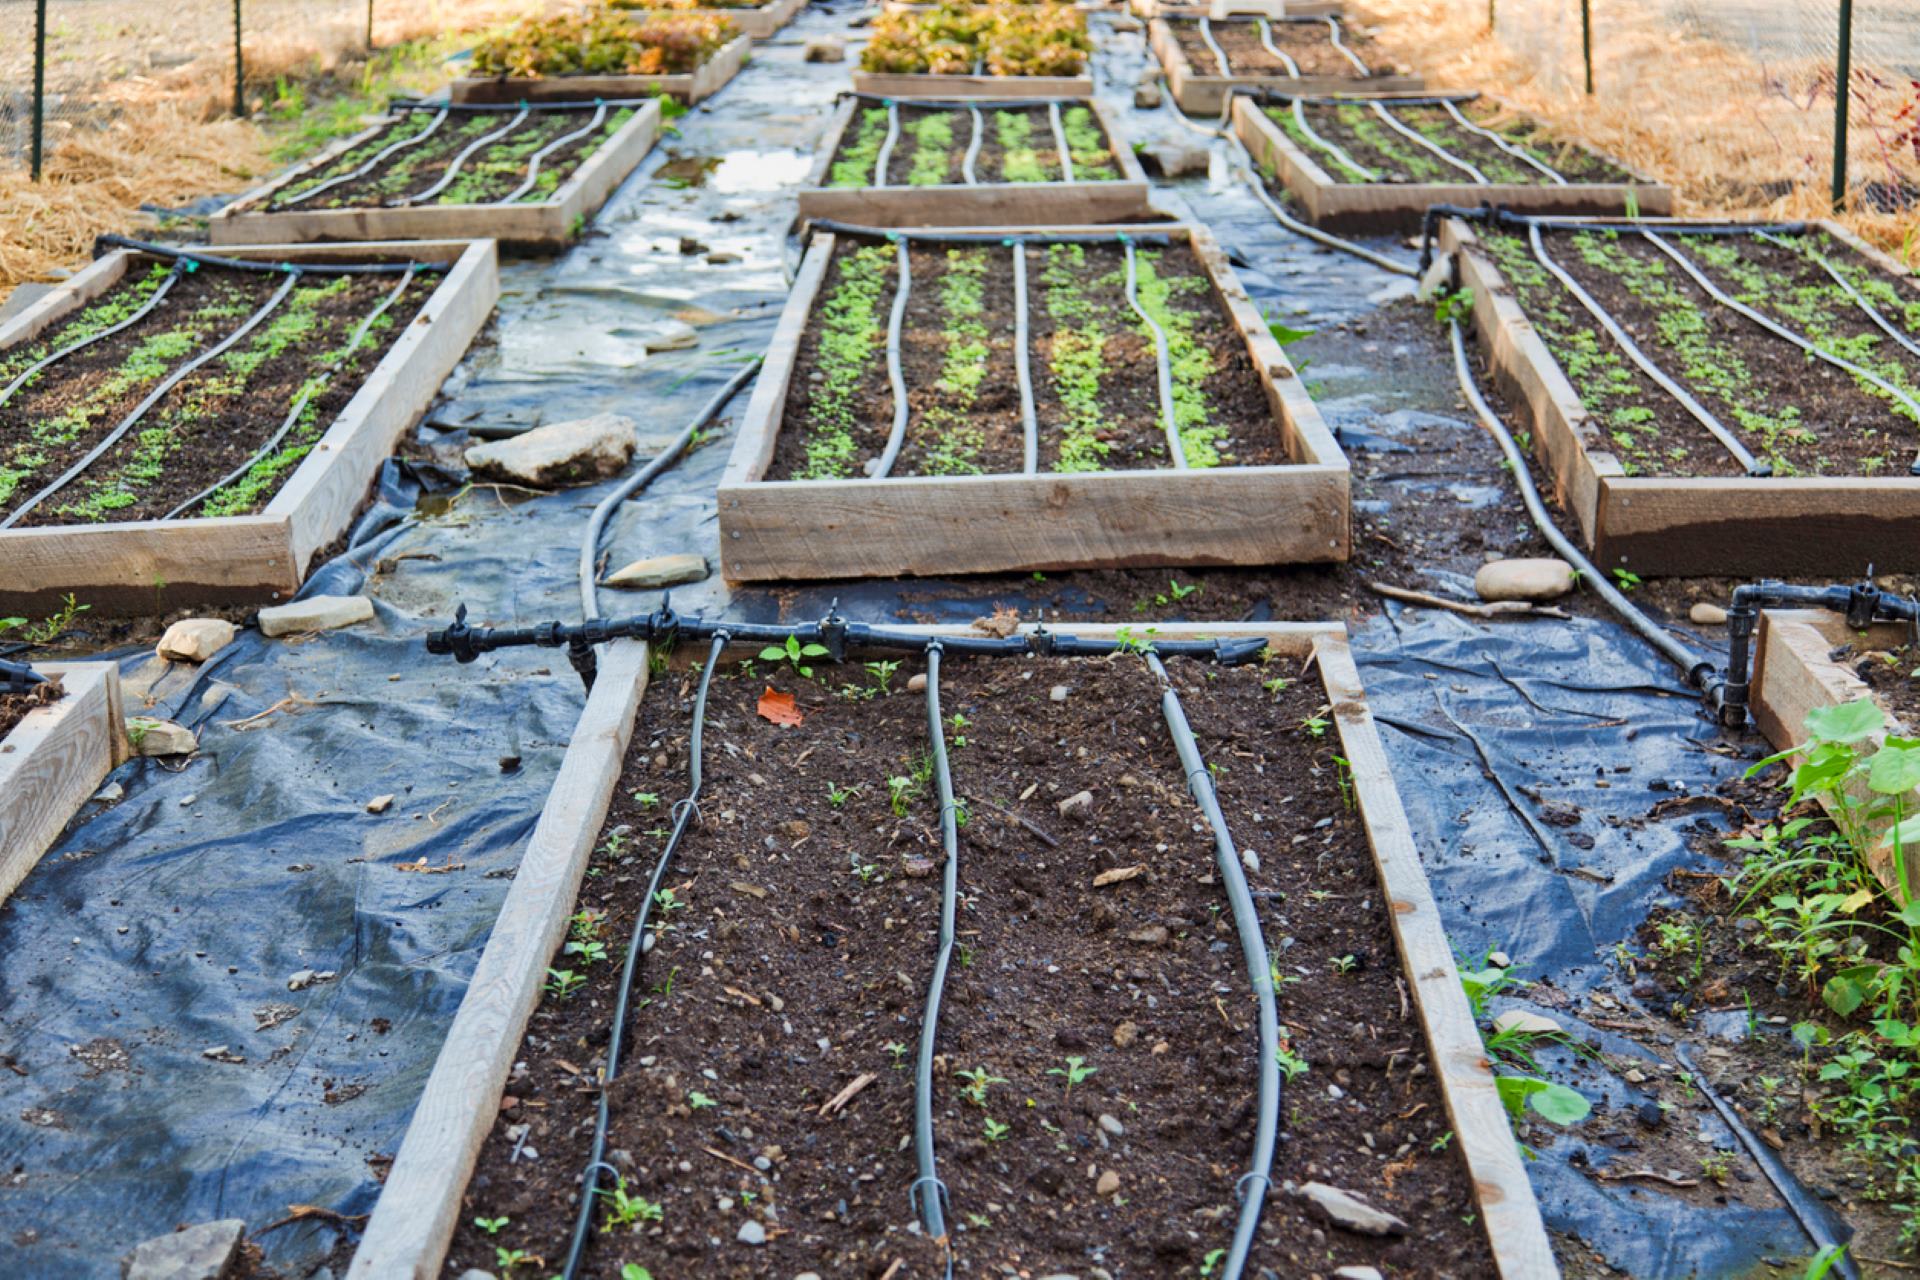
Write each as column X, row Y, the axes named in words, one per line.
column 899, row 1052
column 975, row 1090
column 563, row 983
column 1315, row 726
column 1074, row 1072
column 645, row 799
column 699, row 1101
column 881, row 674
column 1291, row 1064
column 794, row 654
column 837, row 795
column 995, row 1131
column 627, row 1210
column 491, row 1226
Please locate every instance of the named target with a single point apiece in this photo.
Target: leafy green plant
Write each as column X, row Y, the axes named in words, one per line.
column 1073, row 1073
column 975, row 1090
column 491, row 1226
column 699, row 1101
column 995, row 1131
column 1451, row 305
column 1292, row 1065
column 837, row 795
column 795, row 654
column 563, row 983
column 625, row 1209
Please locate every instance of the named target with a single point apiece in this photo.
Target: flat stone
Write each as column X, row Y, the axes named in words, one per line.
column 1347, row 1210
column 1112, row 1125
column 315, row 613
column 1708, row 615
column 917, row 684
column 160, row 738
column 380, row 804
column 1357, row 1273
column 1541, row 578
column 201, row 1252
column 1177, row 160
column 659, row 571
column 561, row 453
column 751, row 1232
column 1057, row 694
column 1078, row 805
column 195, row 639
column 1108, row 1184
column 1125, row 1034
column 1154, row 935
column 1528, row 1023
column 824, row 49
column 1147, row 96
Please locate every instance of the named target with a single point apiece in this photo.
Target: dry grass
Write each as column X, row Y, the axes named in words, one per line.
column 1731, row 136
column 166, row 140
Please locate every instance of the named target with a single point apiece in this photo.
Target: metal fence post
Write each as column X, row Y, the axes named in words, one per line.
column 239, row 67
column 1586, row 40
column 369, row 26
column 1490, row 4
column 39, row 85
column 1842, row 100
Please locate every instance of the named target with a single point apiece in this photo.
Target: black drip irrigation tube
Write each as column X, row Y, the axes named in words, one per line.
column 1267, row 93
column 373, row 163
column 19, row 677
column 1500, row 216
column 1147, row 235
column 1862, row 604
column 685, row 813
column 160, row 292
column 582, row 104
column 928, row 1194
column 533, row 164
column 453, row 166
column 102, row 244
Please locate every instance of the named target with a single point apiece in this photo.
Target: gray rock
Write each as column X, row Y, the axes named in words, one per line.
column 1112, row 1125
column 315, row 613
column 1147, row 96
column 751, row 1232
column 659, row 571
column 1708, row 615
column 1078, row 805
column 1057, row 694
column 195, row 639
column 1177, row 160
column 1357, row 1273
column 825, row 49
column 1347, row 1210
column 201, row 1252
column 1540, row 578
column 149, row 737
column 563, row 453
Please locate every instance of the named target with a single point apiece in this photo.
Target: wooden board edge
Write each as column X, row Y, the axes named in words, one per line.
column 760, row 425
column 53, row 761
column 65, row 298
column 829, row 146
column 921, row 85
column 588, row 187
column 311, row 165
column 414, row 1219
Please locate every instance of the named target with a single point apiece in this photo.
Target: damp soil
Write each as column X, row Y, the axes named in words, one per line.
column 1308, row 43
column 15, row 706
column 1128, row 390
column 1891, row 674
column 1395, row 158
column 990, row 163
column 989, row 427
column 489, row 174
column 205, row 426
column 799, row 963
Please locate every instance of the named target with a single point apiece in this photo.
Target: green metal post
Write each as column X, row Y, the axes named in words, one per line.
column 1490, row 4
column 239, row 67
column 1842, row 100
column 369, row 26
column 39, row 85
column 1586, row 40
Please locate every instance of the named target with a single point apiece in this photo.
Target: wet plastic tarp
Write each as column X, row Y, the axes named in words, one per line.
column 221, row 996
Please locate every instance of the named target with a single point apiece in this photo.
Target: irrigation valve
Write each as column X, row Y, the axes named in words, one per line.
column 1863, row 604
column 18, row 677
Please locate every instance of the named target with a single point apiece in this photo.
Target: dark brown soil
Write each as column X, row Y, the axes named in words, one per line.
column 1571, row 161
column 208, row 424
column 1309, row 44
column 990, row 164
column 1894, row 677
column 991, row 423
column 801, row 959
column 492, row 173
column 15, row 706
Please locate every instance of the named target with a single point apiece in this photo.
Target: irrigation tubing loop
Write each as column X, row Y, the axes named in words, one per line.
column 307, row 391
column 1145, row 233
column 881, row 161
column 597, row 522
column 153, row 398
column 1213, row 47
column 1023, row 365
column 896, row 377
column 1400, row 127
column 453, row 166
column 533, row 164
column 1328, row 145
column 1253, row 948
column 1162, row 360
column 262, row 266
column 685, row 813
column 165, row 286
column 1286, row 60
column 1333, row 34
column 1493, row 136
column 1060, row 142
column 1873, row 313
column 367, row 168
column 974, row 139
column 932, row 1207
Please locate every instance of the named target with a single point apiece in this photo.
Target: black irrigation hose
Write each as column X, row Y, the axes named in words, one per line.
column 1060, row 141
column 1700, row 672
column 582, row 104
column 453, row 166
column 1213, row 47
column 1333, row 34
column 1497, row 216
column 262, row 265
column 896, row 377
column 1863, row 604
column 1286, row 59
column 937, row 236
column 1253, row 948
column 1885, row 325
column 885, row 155
column 1267, row 93
column 953, row 104
column 19, row 677
column 1400, row 127
column 684, row 814
column 597, row 522
column 974, row 139
column 533, row 163
column 307, row 392
column 154, row 397
column 928, row 1194
column 1162, row 360
column 1642, row 361
column 166, row 285
column 1493, row 136
column 1328, row 145
column 1785, row 334
column 1023, row 366
column 363, row 170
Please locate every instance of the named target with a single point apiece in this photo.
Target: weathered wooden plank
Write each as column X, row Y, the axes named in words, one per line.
column 414, row 1219
column 695, row 86
column 1400, row 206
column 905, row 85
column 55, row 759
column 1203, row 95
column 757, row 23
column 69, row 296
column 545, row 226
column 811, row 529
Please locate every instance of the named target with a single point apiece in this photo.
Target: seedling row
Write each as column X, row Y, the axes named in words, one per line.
column 1205, row 59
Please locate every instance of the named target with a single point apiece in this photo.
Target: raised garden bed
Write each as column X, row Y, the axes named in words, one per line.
column 1305, row 55
column 978, row 51
column 1267, row 8
column 766, row 1085
column 755, row 20
column 1376, row 164
column 56, row 745
column 972, row 452
column 178, row 459
column 529, row 178
column 961, row 163
column 605, row 53
column 1808, row 659
column 1654, row 488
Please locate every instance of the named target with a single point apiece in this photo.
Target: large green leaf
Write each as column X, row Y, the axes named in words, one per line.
column 1896, row 768
column 1552, row 1101
column 1848, row 722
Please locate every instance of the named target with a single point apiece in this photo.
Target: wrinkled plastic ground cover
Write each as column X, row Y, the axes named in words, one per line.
column 258, row 861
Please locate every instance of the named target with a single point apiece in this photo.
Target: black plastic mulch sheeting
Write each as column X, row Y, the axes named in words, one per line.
column 170, row 923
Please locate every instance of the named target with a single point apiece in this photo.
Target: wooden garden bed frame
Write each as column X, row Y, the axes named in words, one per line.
column 1748, row 526
column 757, row 23
column 1398, row 206
column 545, row 227
column 1287, row 8
column 414, row 1219
column 1206, row 95
column 984, row 204
column 921, row 525
column 888, row 84
column 54, row 760
column 690, row 87
column 154, row 565
column 1794, row 674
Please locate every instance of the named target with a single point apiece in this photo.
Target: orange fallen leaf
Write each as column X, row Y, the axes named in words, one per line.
column 779, row 708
